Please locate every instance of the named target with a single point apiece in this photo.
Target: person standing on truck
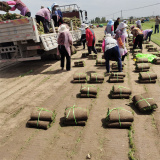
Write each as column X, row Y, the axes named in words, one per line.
column 64, row 45
column 90, row 40
column 60, row 21
column 18, row 4
column 43, row 15
column 54, row 14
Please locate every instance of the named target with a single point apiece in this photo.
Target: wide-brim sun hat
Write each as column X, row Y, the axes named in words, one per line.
column 86, row 26
column 63, row 28
column 110, row 22
column 132, row 26
column 54, row 5
column 122, row 25
column 108, row 35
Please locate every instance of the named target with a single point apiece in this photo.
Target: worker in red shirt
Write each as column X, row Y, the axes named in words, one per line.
column 90, row 40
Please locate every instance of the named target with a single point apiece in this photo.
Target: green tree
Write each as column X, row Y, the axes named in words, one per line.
column 103, row 20
column 97, row 20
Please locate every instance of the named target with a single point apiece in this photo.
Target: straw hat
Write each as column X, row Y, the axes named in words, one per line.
column 122, row 25
column 63, row 28
column 86, row 26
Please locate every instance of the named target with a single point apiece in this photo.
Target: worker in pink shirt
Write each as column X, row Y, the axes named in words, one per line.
column 43, row 15
column 18, row 4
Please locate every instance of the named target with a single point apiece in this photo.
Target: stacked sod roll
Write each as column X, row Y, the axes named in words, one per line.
column 41, row 118
column 120, row 92
column 119, row 118
column 147, row 77
column 144, row 102
column 88, row 91
column 76, row 116
column 80, row 78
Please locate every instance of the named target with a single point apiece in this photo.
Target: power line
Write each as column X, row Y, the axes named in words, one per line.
column 142, row 7
column 133, row 9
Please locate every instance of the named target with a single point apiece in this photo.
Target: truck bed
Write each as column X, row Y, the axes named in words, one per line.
column 18, row 30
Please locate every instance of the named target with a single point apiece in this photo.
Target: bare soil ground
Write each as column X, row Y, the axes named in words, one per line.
column 26, row 85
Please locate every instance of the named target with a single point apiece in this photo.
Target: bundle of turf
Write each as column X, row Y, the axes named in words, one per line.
column 149, row 45
column 152, row 49
column 40, row 28
column 4, row 6
column 145, row 42
column 147, row 77
column 79, row 64
column 114, row 67
column 130, row 40
column 76, row 116
column 119, row 118
column 120, row 92
column 88, row 91
column 100, row 62
column 117, row 79
column 100, row 41
column 103, row 56
column 99, row 49
column 130, row 43
column 73, row 50
column 80, row 78
column 144, row 102
column 142, row 67
column 99, row 45
column 41, row 118
column 92, row 56
column 156, row 60
column 85, row 55
column 142, row 60
column 156, row 54
column 96, row 78
column 135, row 50
column 117, row 75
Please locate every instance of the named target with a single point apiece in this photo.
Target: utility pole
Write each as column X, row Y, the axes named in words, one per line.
column 121, row 14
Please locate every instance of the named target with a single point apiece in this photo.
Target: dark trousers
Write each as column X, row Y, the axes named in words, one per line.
column 92, row 48
column 123, row 57
column 64, row 54
column 83, row 40
column 149, row 35
column 28, row 14
column 110, row 54
column 44, row 22
column 156, row 29
column 138, row 41
column 60, row 21
column 54, row 17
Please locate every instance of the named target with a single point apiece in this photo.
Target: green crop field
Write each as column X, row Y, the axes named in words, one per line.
column 151, row 25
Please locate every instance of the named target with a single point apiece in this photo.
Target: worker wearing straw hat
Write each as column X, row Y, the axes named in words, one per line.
column 64, row 43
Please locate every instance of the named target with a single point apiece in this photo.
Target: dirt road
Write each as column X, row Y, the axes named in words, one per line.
column 27, row 85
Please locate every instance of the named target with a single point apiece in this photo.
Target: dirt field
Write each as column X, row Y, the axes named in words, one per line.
column 26, row 85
